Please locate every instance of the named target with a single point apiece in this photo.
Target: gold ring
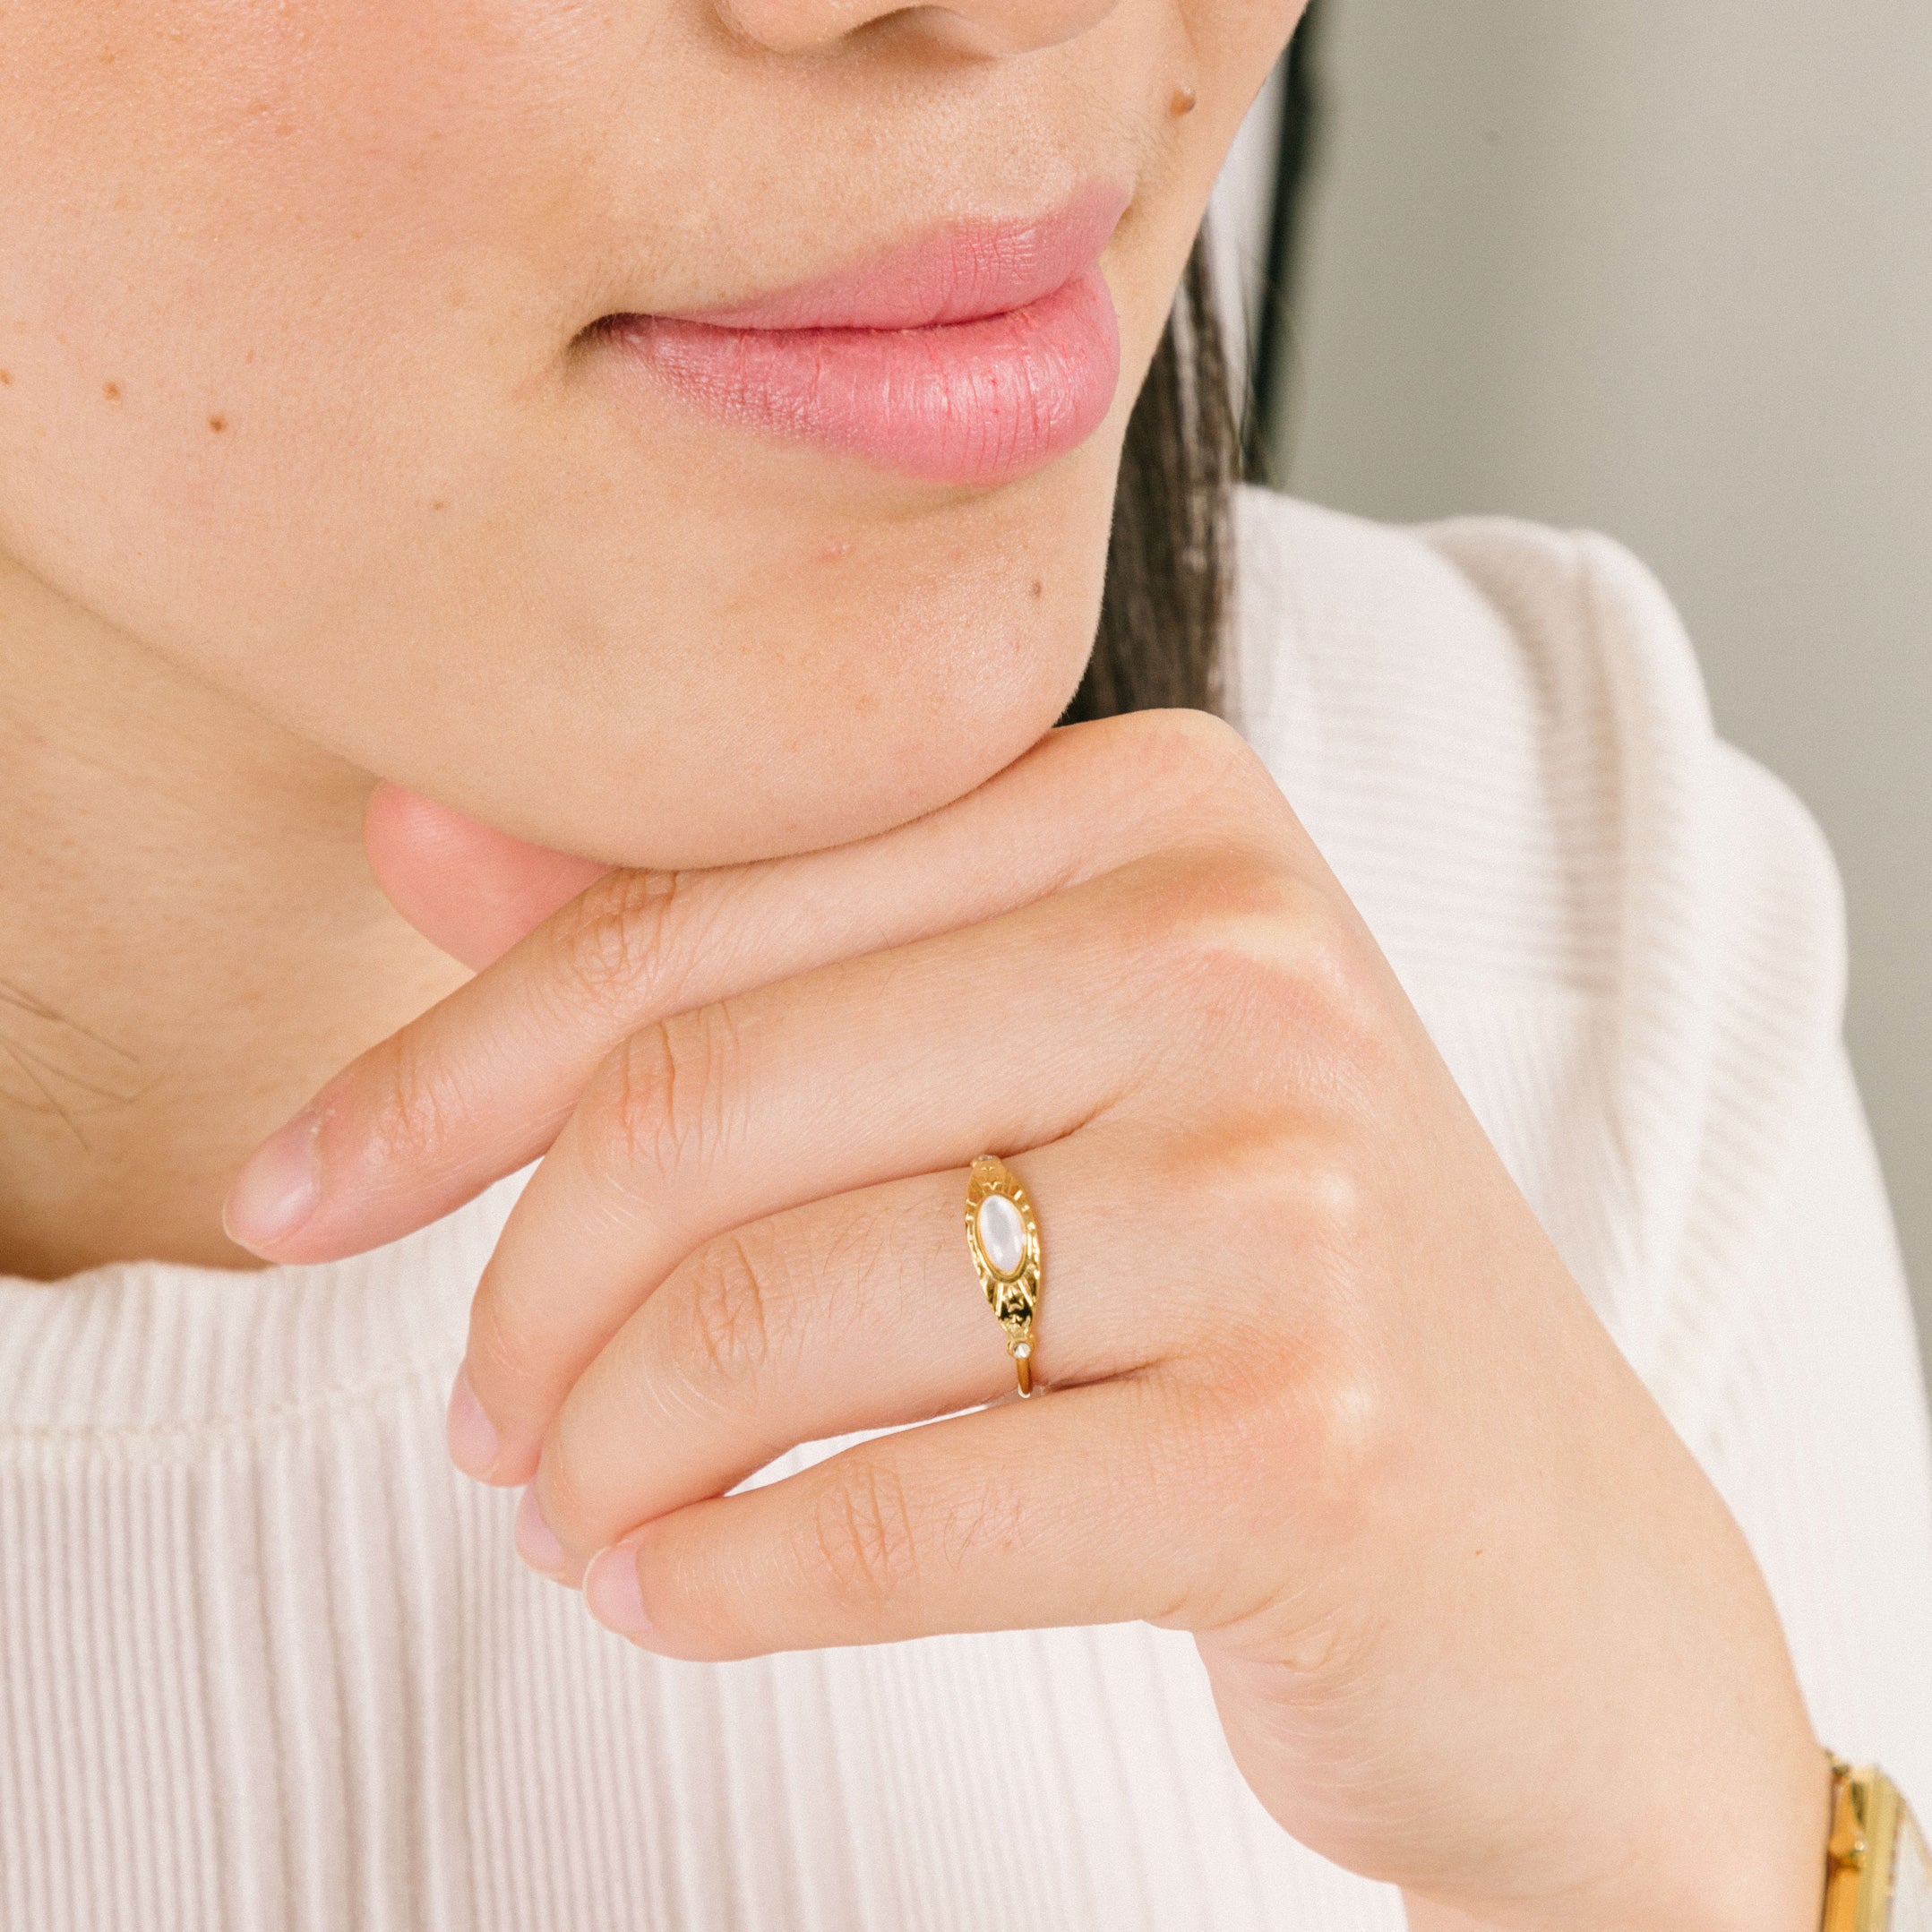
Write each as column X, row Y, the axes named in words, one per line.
column 1004, row 1238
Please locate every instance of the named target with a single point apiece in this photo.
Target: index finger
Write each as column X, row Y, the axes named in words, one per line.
column 480, row 1084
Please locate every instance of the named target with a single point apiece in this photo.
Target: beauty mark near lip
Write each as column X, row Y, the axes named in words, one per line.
column 970, row 358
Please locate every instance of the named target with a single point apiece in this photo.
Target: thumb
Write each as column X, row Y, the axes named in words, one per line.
column 463, row 885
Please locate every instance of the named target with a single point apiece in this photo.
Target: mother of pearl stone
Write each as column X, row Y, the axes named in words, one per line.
column 1002, row 1234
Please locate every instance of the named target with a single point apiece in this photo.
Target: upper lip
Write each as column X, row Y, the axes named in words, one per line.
column 963, row 272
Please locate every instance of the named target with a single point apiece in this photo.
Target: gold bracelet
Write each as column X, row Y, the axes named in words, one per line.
column 1877, row 1872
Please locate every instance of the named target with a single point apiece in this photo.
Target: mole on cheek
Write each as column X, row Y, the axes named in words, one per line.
column 6, row 379
column 217, row 424
column 111, row 390
column 1184, row 102
column 1039, row 589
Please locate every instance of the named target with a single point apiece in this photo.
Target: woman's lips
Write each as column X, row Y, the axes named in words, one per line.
column 964, row 402
column 970, row 358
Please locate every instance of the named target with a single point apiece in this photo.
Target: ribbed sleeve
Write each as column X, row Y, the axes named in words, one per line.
column 297, row 1679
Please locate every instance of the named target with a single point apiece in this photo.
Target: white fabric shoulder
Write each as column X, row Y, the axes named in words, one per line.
column 1627, row 939
column 1498, row 735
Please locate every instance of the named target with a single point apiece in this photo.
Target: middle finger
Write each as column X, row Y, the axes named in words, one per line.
column 857, row 1312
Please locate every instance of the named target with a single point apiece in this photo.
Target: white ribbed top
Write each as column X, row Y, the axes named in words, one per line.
column 265, row 1662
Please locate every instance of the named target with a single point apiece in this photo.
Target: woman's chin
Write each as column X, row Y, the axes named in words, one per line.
column 849, row 683
column 830, row 766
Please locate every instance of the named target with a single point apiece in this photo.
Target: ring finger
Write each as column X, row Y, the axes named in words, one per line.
column 860, row 1311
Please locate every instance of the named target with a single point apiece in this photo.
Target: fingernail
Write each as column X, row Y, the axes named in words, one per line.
column 473, row 1444
column 612, row 1592
column 278, row 1188
column 536, row 1542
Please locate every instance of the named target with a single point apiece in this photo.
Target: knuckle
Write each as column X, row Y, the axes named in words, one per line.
column 1320, row 1409
column 658, row 1107
column 419, row 1104
column 1295, row 1224
column 1201, row 761
column 614, row 948
column 1333, row 963
column 1186, row 747
column 862, row 1539
column 1295, row 1420
column 1176, row 768
column 1334, row 1209
column 1347, row 1428
column 729, row 1298
column 1262, row 955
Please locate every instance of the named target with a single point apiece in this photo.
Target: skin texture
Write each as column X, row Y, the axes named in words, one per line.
column 311, row 476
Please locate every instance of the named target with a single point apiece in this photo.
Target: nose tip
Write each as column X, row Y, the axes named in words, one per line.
column 986, row 27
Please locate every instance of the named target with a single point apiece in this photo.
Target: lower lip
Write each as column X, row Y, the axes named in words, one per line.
column 974, row 403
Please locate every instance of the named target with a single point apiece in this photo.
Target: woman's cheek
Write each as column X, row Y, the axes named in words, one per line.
column 245, row 244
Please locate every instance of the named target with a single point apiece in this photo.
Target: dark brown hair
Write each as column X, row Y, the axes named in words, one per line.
column 1168, row 555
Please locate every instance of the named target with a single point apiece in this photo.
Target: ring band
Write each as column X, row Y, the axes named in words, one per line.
column 1004, row 1240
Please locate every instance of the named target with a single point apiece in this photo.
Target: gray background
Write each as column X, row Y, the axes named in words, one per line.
column 1664, row 270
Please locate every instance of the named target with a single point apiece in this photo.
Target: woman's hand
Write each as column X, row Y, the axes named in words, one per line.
column 1319, row 1390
